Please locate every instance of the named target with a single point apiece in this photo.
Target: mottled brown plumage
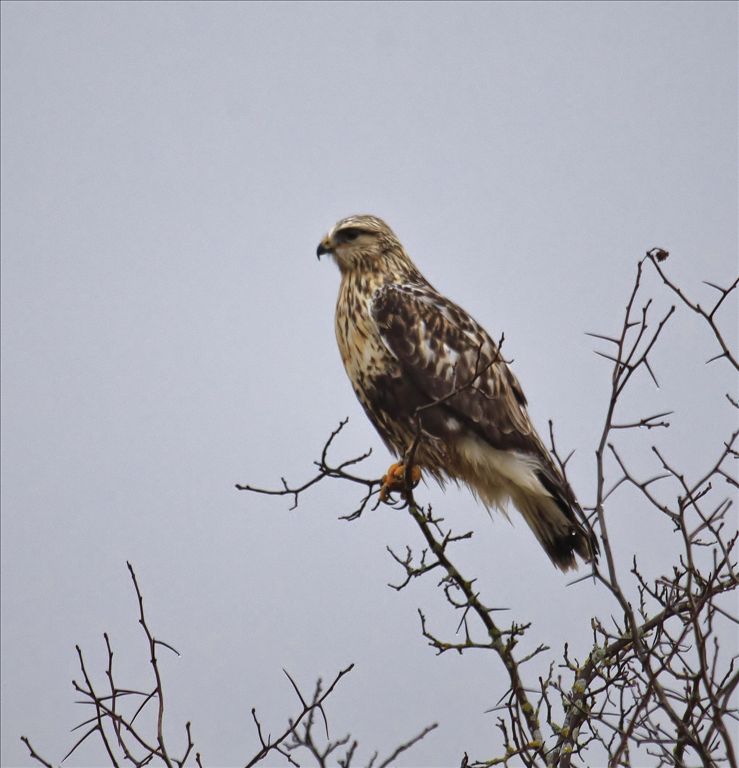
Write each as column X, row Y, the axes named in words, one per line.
column 417, row 360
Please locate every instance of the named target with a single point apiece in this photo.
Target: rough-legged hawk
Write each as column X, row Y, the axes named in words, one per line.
column 429, row 376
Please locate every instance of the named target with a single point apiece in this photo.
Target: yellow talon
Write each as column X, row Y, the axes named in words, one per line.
column 394, row 480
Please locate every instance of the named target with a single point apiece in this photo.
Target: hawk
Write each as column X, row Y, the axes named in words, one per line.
column 433, row 383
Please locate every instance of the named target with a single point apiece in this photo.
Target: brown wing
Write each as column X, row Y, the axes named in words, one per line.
column 450, row 358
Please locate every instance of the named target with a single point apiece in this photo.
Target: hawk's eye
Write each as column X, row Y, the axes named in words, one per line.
column 350, row 234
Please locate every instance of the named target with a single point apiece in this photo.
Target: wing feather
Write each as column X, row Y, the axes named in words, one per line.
column 450, row 358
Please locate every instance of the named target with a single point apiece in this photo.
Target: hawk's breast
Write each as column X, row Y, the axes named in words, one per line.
column 374, row 372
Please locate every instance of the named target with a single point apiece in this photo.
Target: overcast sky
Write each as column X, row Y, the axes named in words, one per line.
column 167, row 172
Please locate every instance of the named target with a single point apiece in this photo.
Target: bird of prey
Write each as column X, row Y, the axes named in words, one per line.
column 434, row 385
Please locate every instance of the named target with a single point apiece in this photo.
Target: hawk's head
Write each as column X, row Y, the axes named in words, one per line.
column 361, row 242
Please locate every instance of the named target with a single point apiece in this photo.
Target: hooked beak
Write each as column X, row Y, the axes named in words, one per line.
column 324, row 247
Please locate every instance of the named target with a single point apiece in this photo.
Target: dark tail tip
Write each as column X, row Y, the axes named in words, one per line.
column 577, row 541
column 578, row 538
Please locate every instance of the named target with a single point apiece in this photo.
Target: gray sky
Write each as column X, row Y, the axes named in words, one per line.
column 167, row 171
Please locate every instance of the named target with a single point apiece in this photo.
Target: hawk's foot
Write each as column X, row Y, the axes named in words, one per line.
column 394, row 480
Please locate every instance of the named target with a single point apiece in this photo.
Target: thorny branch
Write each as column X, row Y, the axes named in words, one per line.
column 281, row 744
column 116, row 720
column 303, row 741
column 656, row 256
column 668, row 688
column 338, row 472
column 125, row 737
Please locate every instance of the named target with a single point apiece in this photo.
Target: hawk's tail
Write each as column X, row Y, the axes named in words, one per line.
column 557, row 522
